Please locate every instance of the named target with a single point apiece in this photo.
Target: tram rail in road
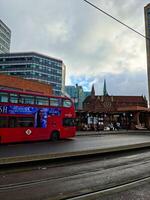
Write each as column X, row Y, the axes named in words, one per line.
column 78, row 179
column 110, row 191
column 88, row 196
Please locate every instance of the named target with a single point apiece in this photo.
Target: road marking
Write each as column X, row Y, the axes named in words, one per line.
column 133, row 156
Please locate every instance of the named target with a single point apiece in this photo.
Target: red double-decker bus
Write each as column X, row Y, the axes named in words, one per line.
column 30, row 117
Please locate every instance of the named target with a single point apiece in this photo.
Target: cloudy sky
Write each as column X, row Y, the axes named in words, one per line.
column 92, row 45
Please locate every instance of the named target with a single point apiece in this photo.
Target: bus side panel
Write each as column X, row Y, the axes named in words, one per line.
column 8, row 135
column 55, row 123
column 68, row 132
column 36, row 134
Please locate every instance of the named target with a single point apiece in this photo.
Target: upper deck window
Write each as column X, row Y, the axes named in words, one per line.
column 42, row 101
column 3, row 97
column 67, row 103
column 55, row 102
column 27, row 99
column 13, row 98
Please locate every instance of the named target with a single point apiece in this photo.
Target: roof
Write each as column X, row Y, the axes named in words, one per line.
column 119, row 99
column 30, row 53
column 133, row 108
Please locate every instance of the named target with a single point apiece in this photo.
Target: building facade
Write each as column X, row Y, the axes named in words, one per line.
column 19, row 84
column 101, row 111
column 147, row 32
column 77, row 94
column 35, row 66
column 112, row 104
column 87, row 93
column 71, row 92
column 5, row 37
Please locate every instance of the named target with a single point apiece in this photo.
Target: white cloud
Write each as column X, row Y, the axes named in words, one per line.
column 91, row 44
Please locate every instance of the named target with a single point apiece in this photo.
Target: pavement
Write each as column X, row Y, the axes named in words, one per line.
column 93, row 143
column 106, row 132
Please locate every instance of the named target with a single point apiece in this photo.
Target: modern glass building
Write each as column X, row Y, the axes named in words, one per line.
column 5, row 37
column 71, row 91
column 35, row 66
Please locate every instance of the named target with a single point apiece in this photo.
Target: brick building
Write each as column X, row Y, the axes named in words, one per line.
column 129, row 111
column 20, row 84
column 112, row 103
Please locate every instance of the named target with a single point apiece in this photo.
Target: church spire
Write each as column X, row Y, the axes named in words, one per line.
column 93, row 91
column 105, row 93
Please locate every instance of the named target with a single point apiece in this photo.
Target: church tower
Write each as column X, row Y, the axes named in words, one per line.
column 105, row 93
column 93, row 91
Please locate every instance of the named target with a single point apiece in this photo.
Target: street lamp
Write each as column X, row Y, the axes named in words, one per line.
column 77, row 89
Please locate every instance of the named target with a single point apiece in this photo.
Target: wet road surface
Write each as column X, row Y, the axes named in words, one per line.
column 72, row 178
column 78, row 143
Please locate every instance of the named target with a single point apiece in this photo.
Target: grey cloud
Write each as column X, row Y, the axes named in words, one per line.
column 90, row 43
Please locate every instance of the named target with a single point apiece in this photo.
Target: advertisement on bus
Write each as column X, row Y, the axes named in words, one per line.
column 40, row 114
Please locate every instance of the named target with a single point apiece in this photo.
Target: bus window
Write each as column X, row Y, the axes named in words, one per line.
column 12, row 122
column 27, row 99
column 3, row 97
column 3, row 122
column 55, row 102
column 68, row 122
column 21, row 122
column 42, row 101
column 25, row 122
column 13, row 98
column 67, row 103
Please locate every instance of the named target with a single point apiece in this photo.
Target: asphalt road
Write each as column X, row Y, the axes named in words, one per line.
column 79, row 143
column 77, row 177
column 140, row 192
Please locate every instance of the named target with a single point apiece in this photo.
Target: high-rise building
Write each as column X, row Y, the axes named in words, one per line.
column 71, row 91
column 5, row 37
column 147, row 31
column 35, row 66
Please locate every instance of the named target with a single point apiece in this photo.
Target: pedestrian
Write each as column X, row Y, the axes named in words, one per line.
column 118, row 126
column 111, row 126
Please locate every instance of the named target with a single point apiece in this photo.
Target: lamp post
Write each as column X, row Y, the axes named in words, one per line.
column 77, row 89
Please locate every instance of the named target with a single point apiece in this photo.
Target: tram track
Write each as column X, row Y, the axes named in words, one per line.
column 95, row 165
column 88, row 196
column 87, row 179
column 108, row 191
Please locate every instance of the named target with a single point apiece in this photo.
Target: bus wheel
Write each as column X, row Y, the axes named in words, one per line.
column 55, row 136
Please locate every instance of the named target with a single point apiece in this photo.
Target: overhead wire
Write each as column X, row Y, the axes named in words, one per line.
column 114, row 18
